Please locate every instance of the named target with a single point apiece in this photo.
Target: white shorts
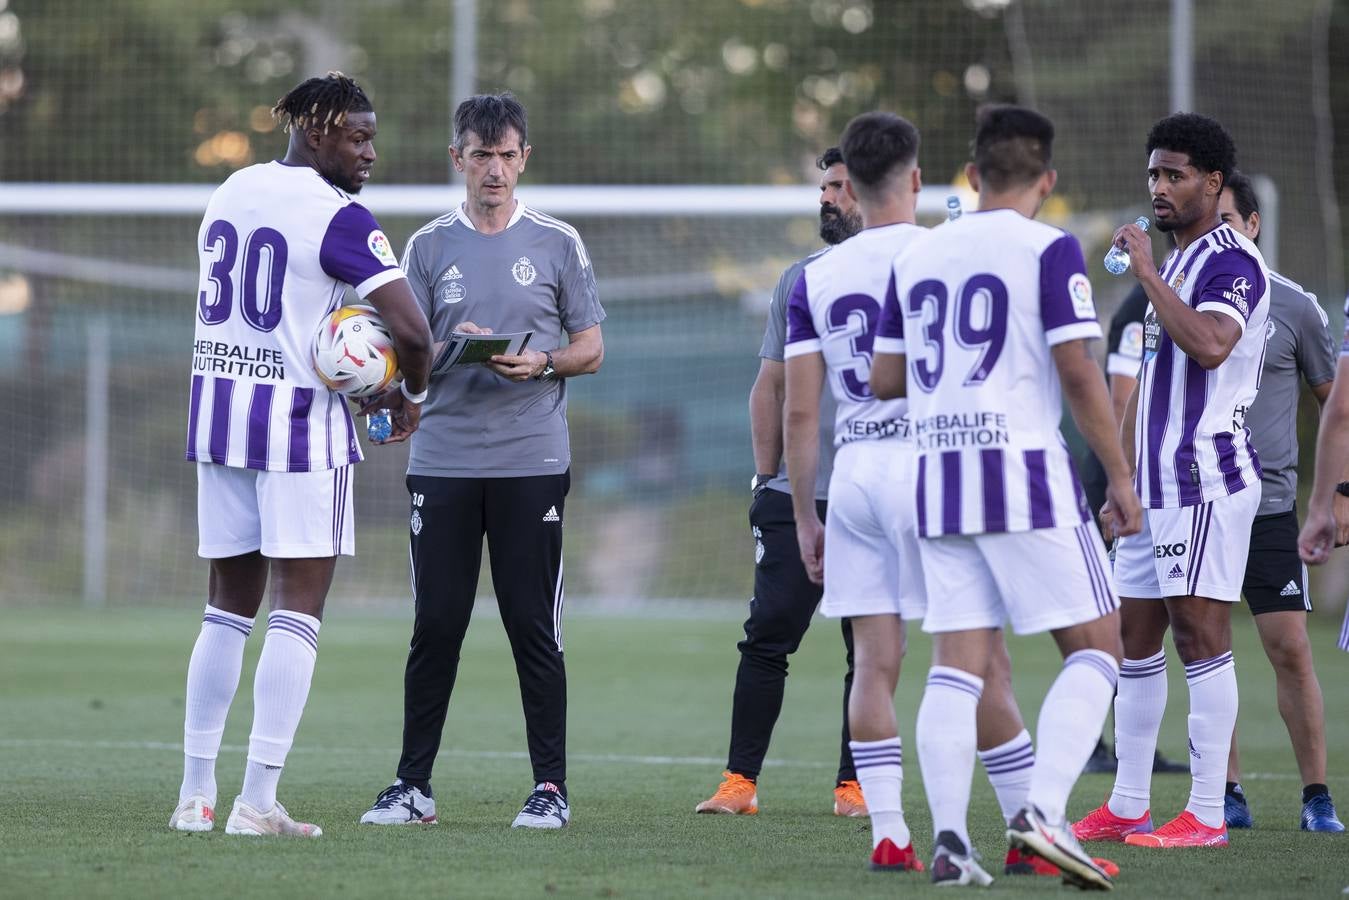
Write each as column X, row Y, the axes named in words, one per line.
column 1038, row 580
column 283, row 514
column 871, row 563
column 1191, row 550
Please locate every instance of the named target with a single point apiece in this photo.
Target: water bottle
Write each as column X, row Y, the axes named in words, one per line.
column 1117, row 259
column 952, row 208
column 378, row 426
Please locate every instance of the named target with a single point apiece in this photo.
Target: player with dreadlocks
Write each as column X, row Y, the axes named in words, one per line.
column 274, row 447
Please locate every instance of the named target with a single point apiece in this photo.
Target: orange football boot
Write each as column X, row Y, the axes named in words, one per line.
column 737, row 796
column 848, row 800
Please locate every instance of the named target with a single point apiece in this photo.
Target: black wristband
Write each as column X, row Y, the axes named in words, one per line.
column 1342, row 488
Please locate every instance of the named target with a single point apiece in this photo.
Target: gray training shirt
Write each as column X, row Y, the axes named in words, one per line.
column 533, row 276
column 774, row 339
column 1297, row 342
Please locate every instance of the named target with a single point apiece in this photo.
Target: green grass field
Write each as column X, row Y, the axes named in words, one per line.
column 91, row 716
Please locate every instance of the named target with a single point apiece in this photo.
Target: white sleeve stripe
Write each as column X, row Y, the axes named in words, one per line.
column 549, row 222
column 378, row 280
column 888, row 345
column 1119, row 364
column 1074, row 331
column 801, row 348
column 444, row 221
column 1225, row 309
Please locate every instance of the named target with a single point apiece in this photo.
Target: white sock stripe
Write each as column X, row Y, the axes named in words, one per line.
column 998, row 761
column 1098, row 660
column 299, row 630
column 1143, row 668
column 896, row 760
column 1209, row 666
column 955, row 679
column 870, row 755
column 238, row 623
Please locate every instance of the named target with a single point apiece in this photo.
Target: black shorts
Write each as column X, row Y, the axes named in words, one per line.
column 1276, row 579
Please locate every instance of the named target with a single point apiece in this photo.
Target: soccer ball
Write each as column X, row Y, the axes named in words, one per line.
column 353, row 352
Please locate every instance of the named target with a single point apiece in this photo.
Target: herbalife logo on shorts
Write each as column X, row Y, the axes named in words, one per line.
column 1176, row 572
column 551, row 515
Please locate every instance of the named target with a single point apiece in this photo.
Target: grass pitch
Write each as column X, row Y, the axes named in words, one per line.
column 91, row 717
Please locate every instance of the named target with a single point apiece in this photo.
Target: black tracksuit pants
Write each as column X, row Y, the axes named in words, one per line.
column 522, row 519
column 779, row 613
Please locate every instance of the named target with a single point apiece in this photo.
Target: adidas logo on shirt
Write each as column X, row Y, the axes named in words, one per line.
column 1290, row 589
column 454, row 273
column 551, row 515
column 1176, row 572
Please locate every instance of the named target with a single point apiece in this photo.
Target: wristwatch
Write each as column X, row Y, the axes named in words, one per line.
column 760, row 481
column 1342, row 488
column 548, row 373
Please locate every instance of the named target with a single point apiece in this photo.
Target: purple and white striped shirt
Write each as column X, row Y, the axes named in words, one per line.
column 276, row 246
column 1190, row 431
column 977, row 304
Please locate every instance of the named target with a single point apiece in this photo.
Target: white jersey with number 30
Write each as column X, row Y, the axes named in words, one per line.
column 834, row 310
column 977, row 304
column 277, row 244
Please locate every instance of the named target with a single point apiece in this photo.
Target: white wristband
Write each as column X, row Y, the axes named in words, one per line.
column 415, row 399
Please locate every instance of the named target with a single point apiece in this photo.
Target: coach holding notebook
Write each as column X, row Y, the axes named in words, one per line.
column 492, row 455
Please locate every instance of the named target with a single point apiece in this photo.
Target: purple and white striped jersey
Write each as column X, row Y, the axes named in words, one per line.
column 276, row 246
column 1190, row 432
column 975, row 306
column 834, row 310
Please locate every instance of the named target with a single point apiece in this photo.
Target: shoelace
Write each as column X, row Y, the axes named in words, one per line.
column 392, row 796
column 736, row 786
column 541, row 803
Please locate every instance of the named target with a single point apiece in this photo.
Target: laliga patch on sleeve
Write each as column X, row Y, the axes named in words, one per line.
column 379, row 245
column 1079, row 288
column 1131, row 341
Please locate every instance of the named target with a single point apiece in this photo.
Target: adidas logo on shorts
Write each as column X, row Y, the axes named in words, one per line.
column 1290, row 589
column 551, row 515
column 1176, row 572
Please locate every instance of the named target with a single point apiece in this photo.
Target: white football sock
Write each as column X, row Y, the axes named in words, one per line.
column 1009, row 766
column 1213, row 715
column 212, row 679
column 1070, row 724
column 280, row 689
column 1139, row 707
column 947, row 744
column 880, row 772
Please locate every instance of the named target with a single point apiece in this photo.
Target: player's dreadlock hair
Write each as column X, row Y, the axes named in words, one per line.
column 1204, row 140
column 320, row 102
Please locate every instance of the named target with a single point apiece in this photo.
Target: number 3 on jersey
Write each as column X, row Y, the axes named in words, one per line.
column 863, row 313
column 261, row 302
column 979, row 324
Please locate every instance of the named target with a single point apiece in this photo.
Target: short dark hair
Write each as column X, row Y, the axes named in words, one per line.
column 1204, row 140
column 831, row 157
column 1243, row 194
column 1013, row 145
column 489, row 116
column 876, row 144
column 320, row 102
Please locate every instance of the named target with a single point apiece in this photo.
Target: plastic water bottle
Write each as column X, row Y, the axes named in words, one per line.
column 378, row 426
column 952, row 208
column 1117, row 259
